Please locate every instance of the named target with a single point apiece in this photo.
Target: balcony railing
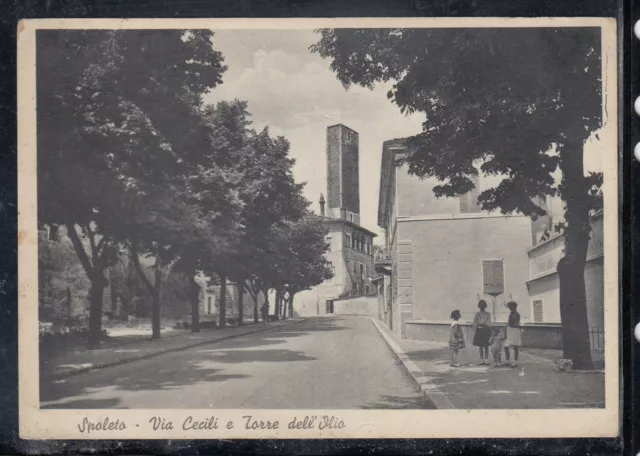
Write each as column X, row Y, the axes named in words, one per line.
column 382, row 258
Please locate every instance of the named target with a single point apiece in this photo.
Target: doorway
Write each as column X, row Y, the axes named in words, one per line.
column 329, row 306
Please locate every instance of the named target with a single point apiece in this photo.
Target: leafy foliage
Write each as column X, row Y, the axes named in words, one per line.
column 505, row 99
column 107, row 103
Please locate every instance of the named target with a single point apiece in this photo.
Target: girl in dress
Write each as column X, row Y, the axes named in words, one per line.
column 482, row 325
column 514, row 338
column 456, row 338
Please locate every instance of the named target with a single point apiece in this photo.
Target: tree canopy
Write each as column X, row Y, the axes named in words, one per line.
column 499, row 98
column 156, row 173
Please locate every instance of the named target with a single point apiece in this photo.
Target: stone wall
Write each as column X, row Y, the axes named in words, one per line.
column 533, row 335
column 362, row 305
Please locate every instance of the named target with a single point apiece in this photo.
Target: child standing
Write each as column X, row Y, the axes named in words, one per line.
column 456, row 338
column 497, row 342
column 513, row 333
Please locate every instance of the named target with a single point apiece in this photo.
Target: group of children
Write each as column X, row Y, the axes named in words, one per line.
column 499, row 338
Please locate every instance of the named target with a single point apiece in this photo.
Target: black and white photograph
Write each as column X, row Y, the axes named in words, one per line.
column 318, row 228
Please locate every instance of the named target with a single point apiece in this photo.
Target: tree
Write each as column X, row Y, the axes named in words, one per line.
column 300, row 262
column 269, row 195
column 62, row 284
column 520, row 103
column 107, row 104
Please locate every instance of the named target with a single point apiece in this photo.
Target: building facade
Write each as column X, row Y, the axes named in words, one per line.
column 543, row 283
column 445, row 253
column 350, row 253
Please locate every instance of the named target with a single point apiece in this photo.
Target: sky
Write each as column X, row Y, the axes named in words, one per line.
column 296, row 95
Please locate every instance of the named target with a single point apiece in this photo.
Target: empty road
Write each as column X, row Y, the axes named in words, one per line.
column 328, row 363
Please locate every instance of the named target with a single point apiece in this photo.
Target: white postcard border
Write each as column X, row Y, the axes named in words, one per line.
column 65, row 424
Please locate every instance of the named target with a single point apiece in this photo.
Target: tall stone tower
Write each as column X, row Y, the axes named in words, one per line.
column 343, row 182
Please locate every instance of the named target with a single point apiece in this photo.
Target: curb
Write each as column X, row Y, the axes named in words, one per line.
column 439, row 399
column 162, row 352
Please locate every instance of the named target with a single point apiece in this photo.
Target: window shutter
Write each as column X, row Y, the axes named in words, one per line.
column 469, row 201
column 498, row 273
column 464, row 203
column 493, row 277
column 487, row 277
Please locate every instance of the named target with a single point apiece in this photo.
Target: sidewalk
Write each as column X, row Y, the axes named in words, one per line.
column 78, row 361
column 534, row 384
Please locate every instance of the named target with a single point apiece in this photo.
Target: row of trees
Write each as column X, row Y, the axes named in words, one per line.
column 518, row 102
column 130, row 159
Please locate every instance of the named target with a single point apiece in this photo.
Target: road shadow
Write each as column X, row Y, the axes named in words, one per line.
column 200, row 365
column 87, row 404
column 399, row 403
column 254, row 356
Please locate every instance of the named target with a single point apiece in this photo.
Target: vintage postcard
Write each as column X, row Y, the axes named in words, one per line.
column 318, row 228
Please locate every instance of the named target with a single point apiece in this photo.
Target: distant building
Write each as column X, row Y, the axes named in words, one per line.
column 444, row 253
column 343, row 179
column 350, row 245
column 547, row 249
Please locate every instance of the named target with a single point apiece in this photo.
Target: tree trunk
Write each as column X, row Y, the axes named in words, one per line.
column 154, row 290
column 155, row 309
column 291, row 305
column 223, row 300
column 194, row 297
column 283, row 310
column 94, row 268
column 573, row 302
column 68, row 306
column 240, row 304
column 278, row 304
column 266, row 304
column 255, row 309
column 95, row 314
column 114, row 295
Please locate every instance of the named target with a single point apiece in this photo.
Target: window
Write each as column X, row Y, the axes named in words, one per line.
column 366, row 270
column 469, row 201
column 209, row 305
column 362, row 270
column 348, row 241
column 353, row 242
column 492, row 277
column 329, row 240
column 330, row 266
column 538, row 311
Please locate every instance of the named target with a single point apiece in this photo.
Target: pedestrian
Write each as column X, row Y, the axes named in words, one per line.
column 265, row 312
column 513, row 334
column 482, row 325
column 456, row 338
column 497, row 343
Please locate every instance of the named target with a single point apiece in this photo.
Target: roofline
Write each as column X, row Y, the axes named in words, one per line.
column 388, row 153
column 348, row 223
column 343, row 125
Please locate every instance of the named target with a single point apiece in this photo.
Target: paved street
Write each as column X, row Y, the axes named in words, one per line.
column 333, row 363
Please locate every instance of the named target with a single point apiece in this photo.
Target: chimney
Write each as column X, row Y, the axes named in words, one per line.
column 321, row 204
